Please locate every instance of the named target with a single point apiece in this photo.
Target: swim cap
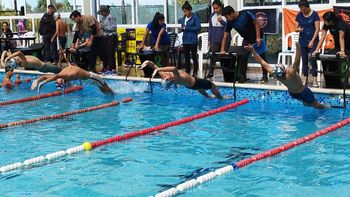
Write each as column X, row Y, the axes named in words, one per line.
column 279, row 71
column 165, row 83
column 13, row 63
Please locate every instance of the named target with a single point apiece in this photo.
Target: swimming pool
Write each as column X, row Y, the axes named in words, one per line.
column 146, row 165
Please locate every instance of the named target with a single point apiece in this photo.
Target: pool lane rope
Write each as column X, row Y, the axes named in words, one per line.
column 87, row 146
column 56, row 116
column 42, row 96
column 235, row 166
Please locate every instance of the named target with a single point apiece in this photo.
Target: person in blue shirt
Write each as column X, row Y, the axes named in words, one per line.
column 160, row 37
column 216, row 30
column 245, row 23
column 308, row 24
column 340, row 32
column 190, row 26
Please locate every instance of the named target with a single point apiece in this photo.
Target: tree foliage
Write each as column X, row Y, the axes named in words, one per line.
column 181, row 2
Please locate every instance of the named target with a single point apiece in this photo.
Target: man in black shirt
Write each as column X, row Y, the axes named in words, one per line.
column 245, row 23
column 47, row 29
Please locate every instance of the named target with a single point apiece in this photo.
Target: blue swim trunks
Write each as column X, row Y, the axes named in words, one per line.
column 306, row 95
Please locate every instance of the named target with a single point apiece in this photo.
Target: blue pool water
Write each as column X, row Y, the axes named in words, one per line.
column 146, row 165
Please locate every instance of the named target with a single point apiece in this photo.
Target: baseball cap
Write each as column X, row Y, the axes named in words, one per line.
column 51, row 6
column 103, row 8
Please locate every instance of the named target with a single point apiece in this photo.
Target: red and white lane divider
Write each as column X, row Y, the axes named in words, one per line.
column 56, row 116
column 235, row 166
column 87, row 146
column 42, row 96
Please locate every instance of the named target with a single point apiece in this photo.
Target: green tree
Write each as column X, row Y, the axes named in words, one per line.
column 41, row 7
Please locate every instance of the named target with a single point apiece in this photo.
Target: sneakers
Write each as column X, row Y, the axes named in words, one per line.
column 264, row 79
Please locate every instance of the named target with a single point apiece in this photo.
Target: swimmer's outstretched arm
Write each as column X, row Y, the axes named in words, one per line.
column 17, row 54
column 257, row 58
column 148, row 63
column 35, row 82
column 50, row 78
column 3, row 56
column 172, row 69
column 296, row 63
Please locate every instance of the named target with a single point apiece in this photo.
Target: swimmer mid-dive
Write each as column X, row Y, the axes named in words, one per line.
column 290, row 78
column 73, row 73
column 172, row 74
column 28, row 62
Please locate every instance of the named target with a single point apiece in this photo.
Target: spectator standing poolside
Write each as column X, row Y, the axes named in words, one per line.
column 61, row 33
column 308, row 24
column 245, row 23
column 190, row 26
column 160, row 37
column 216, row 30
column 47, row 29
column 89, row 24
column 7, row 33
column 109, row 27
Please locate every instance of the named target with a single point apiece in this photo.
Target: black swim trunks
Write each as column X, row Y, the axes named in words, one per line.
column 49, row 68
column 62, row 42
column 305, row 96
column 201, row 84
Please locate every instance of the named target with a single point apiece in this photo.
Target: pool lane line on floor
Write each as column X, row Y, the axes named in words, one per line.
column 42, row 96
column 56, row 116
column 181, row 188
column 87, row 146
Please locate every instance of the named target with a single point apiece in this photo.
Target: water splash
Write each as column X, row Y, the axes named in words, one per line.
column 124, row 87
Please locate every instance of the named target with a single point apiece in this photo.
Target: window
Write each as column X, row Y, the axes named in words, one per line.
column 7, row 5
column 290, row 2
column 63, row 5
column 79, row 5
column 146, row 10
column 123, row 16
column 262, row 2
column 171, row 12
column 201, row 7
column 36, row 6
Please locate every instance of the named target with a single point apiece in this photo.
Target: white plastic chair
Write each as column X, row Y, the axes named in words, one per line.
column 27, row 43
column 282, row 56
column 203, row 49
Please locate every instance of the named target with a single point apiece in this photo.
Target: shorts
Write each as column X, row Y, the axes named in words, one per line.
column 96, row 80
column 306, row 96
column 62, row 42
column 49, row 68
column 201, row 84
